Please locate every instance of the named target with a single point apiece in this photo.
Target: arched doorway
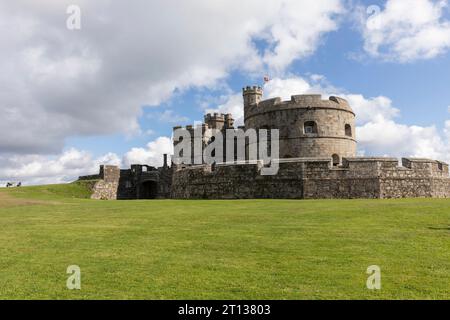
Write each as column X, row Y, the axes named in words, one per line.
column 148, row 190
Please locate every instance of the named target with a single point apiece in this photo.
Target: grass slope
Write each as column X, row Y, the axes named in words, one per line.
column 250, row 249
column 76, row 190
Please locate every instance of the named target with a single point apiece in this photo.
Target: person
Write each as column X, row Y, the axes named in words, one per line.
column 19, row 184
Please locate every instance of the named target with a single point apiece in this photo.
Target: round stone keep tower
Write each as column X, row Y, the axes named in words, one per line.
column 309, row 126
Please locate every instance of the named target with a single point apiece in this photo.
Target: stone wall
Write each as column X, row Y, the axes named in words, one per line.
column 300, row 178
column 417, row 178
column 315, row 179
column 105, row 190
column 331, row 117
column 127, row 186
column 113, row 183
column 106, row 187
column 164, row 182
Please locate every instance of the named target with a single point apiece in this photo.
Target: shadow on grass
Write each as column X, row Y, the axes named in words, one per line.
column 441, row 228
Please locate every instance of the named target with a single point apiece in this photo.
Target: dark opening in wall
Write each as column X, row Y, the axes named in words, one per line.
column 148, row 190
column 348, row 130
column 440, row 167
column 336, row 160
column 235, row 148
column 310, row 127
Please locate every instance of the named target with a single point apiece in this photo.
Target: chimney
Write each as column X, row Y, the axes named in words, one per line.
column 165, row 161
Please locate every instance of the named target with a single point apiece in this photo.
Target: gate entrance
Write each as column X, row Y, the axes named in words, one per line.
column 148, row 190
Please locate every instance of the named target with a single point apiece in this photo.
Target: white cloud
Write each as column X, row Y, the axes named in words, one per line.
column 285, row 88
column 152, row 155
column 295, row 30
column 232, row 104
column 394, row 139
column 406, row 31
column 38, row 169
column 59, row 83
column 371, row 109
column 447, row 131
column 72, row 163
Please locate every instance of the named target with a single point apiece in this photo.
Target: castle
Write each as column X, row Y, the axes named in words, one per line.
column 317, row 159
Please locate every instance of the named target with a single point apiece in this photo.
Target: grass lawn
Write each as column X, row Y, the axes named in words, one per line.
column 246, row 249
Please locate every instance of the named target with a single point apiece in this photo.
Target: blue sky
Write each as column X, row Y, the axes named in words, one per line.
column 94, row 104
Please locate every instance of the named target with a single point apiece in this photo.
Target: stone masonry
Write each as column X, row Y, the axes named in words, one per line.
column 309, row 126
column 316, row 178
column 139, row 182
column 107, row 183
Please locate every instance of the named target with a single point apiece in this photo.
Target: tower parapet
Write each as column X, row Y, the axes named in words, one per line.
column 252, row 95
column 219, row 121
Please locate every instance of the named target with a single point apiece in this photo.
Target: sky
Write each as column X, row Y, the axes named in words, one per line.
column 109, row 89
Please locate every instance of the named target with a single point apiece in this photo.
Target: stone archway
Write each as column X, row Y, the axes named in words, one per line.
column 148, row 190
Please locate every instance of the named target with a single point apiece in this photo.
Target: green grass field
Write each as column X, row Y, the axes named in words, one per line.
column 247, row 249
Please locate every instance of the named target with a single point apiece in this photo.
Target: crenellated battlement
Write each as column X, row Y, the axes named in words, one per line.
column 212, row 121
column 252, row 90
column 375, row 165
column 219, row 121
column 252, row 95
column 313, row 99
column 216, row 117
column 316, row 178
column 304, row 101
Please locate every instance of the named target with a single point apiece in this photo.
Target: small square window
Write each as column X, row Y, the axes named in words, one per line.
column 310, row 127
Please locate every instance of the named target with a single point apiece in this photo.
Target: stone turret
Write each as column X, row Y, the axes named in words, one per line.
column 252, row 95
column 229, row 121
column 310, row 127
column 219, row 121
column 215, row 121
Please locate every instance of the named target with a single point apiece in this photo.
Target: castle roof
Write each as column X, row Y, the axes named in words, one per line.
column 307, row 101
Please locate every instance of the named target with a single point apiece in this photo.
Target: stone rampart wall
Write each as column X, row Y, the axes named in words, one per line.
column 315, row 179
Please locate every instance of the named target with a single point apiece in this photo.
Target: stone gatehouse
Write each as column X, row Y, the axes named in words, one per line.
column 317, row 160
